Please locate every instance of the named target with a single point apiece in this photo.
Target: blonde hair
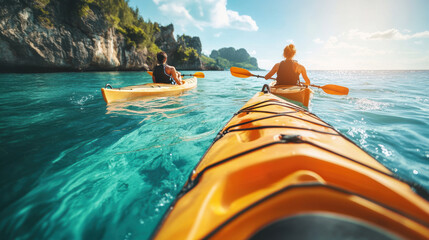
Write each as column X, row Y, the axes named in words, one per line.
column 289, row 51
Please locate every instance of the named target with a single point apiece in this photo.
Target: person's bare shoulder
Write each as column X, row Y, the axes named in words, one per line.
column 276, row 66
column 299, row 67
column 169, row 69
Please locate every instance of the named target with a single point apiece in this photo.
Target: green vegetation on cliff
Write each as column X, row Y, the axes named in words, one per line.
column 189, row 49
column 128, row 22
column 118, row 14
column 209, row 63
column 43, row 14
column 185, row 54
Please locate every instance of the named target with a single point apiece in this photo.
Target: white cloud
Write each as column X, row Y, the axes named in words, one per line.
column 217, row 35
column 318, row 41
column 253, row 52
column 332, row 41
column 205, row 13
column 354, row 42
column 389, row 34
column 180, row 13
column 387, row 49
column 354, row 50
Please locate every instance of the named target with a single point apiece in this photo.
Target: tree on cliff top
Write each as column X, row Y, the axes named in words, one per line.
column 128, row 22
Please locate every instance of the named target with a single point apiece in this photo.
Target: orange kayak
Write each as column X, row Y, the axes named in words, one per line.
column 277, row 171
column 300, row 94
column 146, row 90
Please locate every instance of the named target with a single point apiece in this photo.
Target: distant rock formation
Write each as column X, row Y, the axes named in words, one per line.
column 65, row 44
column 228, row 57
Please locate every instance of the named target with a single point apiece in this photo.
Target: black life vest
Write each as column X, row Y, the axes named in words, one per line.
column 286, row 74
column 161, row 76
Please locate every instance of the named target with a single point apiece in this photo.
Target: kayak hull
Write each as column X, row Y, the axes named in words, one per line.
column 301, row 94
column 146, row 90
column 273, row 163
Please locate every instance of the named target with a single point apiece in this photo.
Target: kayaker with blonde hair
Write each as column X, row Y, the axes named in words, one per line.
column 163, row 73
column 288, row 70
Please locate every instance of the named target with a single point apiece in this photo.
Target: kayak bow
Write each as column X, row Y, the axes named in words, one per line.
column 277, row 170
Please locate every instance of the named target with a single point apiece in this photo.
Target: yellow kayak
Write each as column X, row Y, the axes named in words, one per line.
column 301, row 94
column 146, row 90
column 277, row 171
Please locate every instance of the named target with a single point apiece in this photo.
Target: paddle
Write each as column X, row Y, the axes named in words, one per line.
column 329, row 89
column 243, row 73
column 333, row 89
column 197, row 74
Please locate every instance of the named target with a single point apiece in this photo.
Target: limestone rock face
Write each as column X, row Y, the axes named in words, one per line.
column 67, row 44
column 193, row 42
column 166, row 41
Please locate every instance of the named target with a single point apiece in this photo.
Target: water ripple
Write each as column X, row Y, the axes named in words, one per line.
column 75, row 168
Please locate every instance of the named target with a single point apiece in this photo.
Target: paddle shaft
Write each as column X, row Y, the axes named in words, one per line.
column 197, row 74
column 259, row 76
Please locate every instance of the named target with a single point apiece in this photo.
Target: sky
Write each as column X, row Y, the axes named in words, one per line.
column 328, row 34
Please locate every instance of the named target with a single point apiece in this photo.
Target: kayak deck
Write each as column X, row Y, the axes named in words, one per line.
column 301, row 94
column 146, row 90
column 275, row 161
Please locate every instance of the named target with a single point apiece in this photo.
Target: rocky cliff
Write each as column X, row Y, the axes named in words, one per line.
column 89, row 35
column 65, row 43
column 183, row 53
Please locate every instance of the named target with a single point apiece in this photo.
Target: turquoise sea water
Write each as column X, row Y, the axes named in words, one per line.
column 74, row 168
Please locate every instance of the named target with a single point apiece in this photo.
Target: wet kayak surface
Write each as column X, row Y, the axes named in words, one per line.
column 74, row 167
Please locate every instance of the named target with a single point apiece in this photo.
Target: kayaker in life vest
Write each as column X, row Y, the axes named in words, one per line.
column 288, row 70
column 163, row 73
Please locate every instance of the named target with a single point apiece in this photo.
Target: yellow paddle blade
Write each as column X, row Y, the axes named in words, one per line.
column 150, row 73
column 240, row 72
column 335, row 89
column 198, row 75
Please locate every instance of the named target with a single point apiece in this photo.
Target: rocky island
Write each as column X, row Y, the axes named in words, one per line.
column 97, row 35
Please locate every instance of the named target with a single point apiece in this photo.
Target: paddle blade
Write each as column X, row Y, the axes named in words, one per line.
column 150, row 73
column 240, row 72
column 335, row 89
column 198, row 75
